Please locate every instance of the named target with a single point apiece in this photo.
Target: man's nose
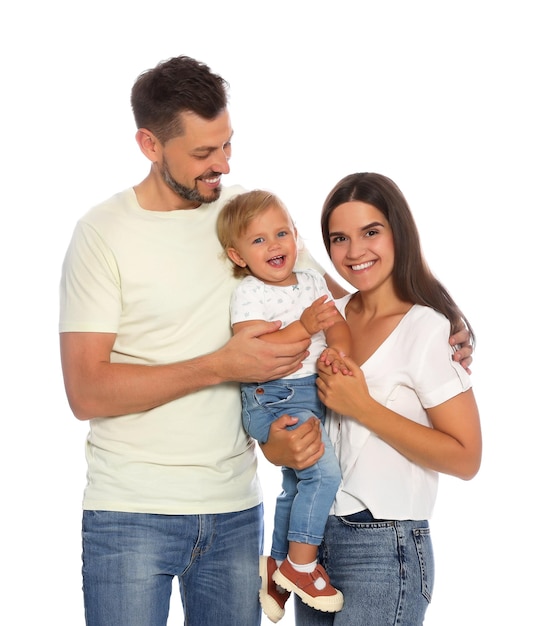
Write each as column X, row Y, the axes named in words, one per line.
column 222, row 161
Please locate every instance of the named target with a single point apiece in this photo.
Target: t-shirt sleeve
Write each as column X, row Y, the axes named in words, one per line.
column 90, row 298
column 248, row 302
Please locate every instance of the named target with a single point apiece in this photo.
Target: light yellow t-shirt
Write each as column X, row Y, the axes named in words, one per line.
column 158, row 280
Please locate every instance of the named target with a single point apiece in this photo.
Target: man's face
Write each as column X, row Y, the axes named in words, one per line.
column 192, row 164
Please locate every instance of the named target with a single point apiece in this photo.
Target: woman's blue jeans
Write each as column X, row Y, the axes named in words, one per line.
column 303, row 506
column 385, row 570
column 130, row 559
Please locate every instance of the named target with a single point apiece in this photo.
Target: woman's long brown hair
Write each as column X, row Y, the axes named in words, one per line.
column 413, row 280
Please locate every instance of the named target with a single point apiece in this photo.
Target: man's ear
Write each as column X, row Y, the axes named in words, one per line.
column 148, row 144
column 236, row 257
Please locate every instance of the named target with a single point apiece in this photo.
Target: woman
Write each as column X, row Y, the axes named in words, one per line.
column 407, row 413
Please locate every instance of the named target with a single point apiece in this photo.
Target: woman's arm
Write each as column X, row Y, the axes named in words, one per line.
column 452, row 446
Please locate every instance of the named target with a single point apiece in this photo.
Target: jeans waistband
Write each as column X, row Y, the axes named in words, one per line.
column 303, row 381
column 361, row 516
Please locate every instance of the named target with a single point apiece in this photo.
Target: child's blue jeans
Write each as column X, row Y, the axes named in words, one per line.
column 303, row 506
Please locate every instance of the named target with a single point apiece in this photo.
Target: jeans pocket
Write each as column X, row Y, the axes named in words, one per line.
column 273, row 394
column 424, row 549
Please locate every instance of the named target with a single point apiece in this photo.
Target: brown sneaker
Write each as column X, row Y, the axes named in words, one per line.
column 271, row 597
column 314, row 589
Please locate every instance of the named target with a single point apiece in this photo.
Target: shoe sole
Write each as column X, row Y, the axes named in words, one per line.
column 270, row 607
column 327, row 604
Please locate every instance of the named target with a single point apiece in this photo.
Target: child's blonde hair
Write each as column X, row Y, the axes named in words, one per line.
column 236, row 215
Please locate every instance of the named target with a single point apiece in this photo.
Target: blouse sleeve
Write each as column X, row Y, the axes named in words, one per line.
column 438, row 376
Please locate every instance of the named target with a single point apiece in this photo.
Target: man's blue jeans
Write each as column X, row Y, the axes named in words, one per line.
column 385, row 569
column 303, row 507
column 130, row 559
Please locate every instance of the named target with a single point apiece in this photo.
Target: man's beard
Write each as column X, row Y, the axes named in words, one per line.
column 188, row 193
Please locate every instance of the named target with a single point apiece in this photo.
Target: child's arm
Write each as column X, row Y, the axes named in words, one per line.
column 339, row 345
column 292, row 332
column 318, row 316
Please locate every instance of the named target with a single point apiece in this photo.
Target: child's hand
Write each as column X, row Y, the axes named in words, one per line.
column 322, row 314
column 335, row 360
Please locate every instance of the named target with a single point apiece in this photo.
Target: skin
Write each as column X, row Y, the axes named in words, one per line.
column 197, row 159
column 362, row 252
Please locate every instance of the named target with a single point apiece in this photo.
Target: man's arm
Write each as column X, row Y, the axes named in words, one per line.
column 96, row 387
column 335, row 289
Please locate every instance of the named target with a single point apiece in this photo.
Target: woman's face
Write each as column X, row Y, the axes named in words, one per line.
column 362, row 246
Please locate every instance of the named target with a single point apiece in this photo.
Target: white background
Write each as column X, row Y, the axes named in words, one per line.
column 435, row 95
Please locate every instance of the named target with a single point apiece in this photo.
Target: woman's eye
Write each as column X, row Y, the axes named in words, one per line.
column 338, row 239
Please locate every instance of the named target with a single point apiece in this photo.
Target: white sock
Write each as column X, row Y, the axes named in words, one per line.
column 307, row 568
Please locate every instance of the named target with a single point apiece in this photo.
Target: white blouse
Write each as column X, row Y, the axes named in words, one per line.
column 410, row 371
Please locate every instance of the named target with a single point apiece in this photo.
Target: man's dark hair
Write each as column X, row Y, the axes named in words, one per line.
column 161, row 94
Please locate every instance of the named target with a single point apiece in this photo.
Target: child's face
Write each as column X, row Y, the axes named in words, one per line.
column 268, row 247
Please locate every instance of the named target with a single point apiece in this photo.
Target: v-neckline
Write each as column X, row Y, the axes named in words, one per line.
column 388, row 338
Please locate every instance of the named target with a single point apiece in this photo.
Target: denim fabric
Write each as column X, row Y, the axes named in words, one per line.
column 303, row 506
column 130, row 559
column 385, row 570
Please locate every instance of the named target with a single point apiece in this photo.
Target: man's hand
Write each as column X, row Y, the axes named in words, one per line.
column 463, row 353
column 248, row 359
column 298, row 448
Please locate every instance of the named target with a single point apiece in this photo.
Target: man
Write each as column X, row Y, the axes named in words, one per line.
column 148, row 358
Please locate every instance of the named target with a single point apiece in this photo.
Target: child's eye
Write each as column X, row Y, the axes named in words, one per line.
column 258, row 240
column 282, row 233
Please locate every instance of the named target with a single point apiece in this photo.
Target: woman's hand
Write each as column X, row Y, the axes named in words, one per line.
column 335, row 360
column 345, row 394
